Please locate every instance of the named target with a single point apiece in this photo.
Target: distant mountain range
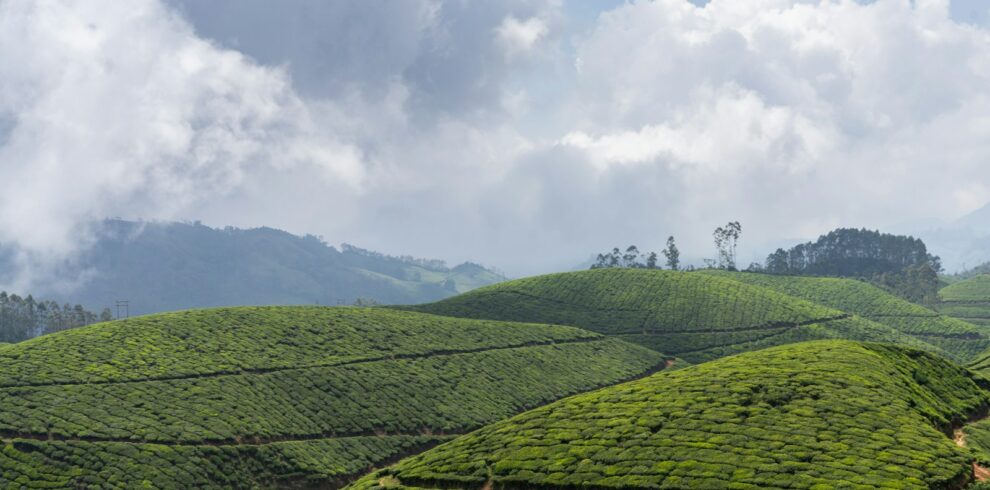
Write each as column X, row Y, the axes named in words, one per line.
column 169, row 266
column 963, row 243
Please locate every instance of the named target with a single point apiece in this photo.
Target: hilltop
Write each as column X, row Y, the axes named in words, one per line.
column 694, row 316
column 960, row 340
column 172, row 266
column 277, row 396
column 826, row 414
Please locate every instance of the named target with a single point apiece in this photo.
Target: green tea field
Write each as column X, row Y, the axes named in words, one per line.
column 276, row 396
column 968, row 300
column 960, row 340
column 694, row 316
column 825, row 414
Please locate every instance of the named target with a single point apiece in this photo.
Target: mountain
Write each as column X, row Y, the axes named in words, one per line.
column 171, row 266
column 691, row 315
column 963, row 243
column 290, row 397
column 825, row 414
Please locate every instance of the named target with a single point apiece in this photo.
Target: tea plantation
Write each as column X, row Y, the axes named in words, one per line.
column 969, row 300
column 695, row 316
column 280, row 396
column 825, row 414
column 960, row 340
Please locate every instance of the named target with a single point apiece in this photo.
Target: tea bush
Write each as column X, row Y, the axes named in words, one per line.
column 960, row 340
column 691, row 315
column 824, row 414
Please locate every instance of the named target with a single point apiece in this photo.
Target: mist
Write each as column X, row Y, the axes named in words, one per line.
column 523, row 135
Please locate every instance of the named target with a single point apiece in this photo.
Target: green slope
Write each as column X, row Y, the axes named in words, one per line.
column 961, row 340
column 694, row 316
column 968, row 300
column 827, row 414
column 275, row 396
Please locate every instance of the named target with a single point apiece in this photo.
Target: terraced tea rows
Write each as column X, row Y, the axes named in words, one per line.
column 968, row 300
column 368, row 384
column 960, row 340
column 826, row 414
column 694, row 316
column 256, row 339
column 298, row 464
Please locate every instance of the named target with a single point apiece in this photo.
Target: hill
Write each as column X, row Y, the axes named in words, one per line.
column 172, row 266
column 968, row 299
column 697, row 317
column 827, row 414
column 276, row 396
column 961, row 340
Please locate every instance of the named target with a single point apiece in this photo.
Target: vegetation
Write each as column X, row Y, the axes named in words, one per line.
column 672, row 254
column 900, row 263
column 828, row 414
column 967, row 274
column 960, row 340
column 297, row 464
column 632, row 259
column 173, row 266
column 726, row 242
column 694, row 316
column 968, row 300
column 23, row 318
column 277, row 394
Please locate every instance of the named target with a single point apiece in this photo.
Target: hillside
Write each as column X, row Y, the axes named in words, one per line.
column 172, row 266
column 968, row 299
column 959, row 339
column 827, row 414
column 276, row 396
column 697, row 317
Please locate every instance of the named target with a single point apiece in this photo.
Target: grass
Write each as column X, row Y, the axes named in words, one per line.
column 272, row 396
column 695, row 316
column 962, row 341
column 826, row 414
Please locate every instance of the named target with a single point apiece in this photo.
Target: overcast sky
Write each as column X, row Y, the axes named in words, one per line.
column 526, row 135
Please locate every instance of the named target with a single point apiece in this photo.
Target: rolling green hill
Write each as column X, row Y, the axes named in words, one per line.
column 276, row 396
column 826, row 414
column 698, row 317
column 961, row 340
column 968, row 300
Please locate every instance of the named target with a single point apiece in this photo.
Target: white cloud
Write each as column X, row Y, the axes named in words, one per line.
column 519, row 36
column 487, row 130
column 121, row 109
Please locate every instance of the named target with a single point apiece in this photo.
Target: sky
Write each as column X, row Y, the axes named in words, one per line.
column 526, row 135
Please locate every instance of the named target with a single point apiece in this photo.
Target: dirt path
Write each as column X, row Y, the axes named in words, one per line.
column 979, row 472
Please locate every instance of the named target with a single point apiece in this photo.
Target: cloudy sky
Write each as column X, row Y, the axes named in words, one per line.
column 526, row 135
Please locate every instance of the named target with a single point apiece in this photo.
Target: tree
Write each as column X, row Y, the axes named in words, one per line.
column 631, row 257
column 720, row 253
column 651, row 260
column 726, row 242
column 106, row 315
column 733, row 231
column 672, row 254
column 777, row 262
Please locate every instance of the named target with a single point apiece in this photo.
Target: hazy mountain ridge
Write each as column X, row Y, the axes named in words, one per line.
column 170, row 266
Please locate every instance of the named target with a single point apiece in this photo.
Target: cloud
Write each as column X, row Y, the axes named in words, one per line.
column 508, row 132
column 519, row 36
column 120, row 109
